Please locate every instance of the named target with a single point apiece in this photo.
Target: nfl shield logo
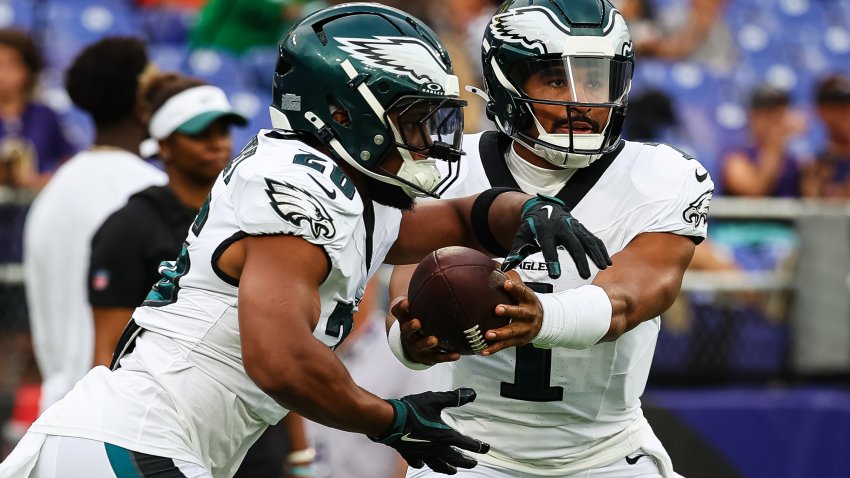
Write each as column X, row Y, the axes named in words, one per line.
column 100, row 279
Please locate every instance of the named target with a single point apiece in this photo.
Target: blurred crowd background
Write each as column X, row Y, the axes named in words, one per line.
column 757, row 90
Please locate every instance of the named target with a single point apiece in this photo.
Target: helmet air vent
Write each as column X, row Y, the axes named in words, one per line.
column 339, row 114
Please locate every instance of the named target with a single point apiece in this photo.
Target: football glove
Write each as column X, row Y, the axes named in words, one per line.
column 547, row 224
column 422, row 438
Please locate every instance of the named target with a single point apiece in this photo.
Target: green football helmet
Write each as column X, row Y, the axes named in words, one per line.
column 581, row 51
column 392, row 78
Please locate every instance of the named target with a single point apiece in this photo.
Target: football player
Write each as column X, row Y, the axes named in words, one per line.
column 242, row 326
column 562, row 395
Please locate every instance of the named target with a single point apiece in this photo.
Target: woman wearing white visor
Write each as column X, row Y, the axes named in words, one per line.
column 189, row 123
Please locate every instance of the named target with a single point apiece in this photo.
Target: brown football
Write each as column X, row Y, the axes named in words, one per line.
column 454, row 292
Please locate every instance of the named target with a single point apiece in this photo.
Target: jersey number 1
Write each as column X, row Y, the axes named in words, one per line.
column 533, row 369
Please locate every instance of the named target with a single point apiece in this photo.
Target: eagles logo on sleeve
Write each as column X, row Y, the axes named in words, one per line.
column 299, row 208
column 697, row 211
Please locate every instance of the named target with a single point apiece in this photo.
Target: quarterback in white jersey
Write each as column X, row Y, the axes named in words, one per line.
column 562, row 397
column 242, row 326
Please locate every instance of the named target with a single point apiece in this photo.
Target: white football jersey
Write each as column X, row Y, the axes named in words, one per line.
column 539, row 406
column 276, row 185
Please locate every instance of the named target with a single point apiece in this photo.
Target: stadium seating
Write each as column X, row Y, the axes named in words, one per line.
column 165, row 25
column 258, row 64
column 72, row 24
column 219, row 68
column 254, row 104
column 17, row 13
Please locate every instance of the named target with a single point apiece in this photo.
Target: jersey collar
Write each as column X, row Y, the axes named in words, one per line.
column 494, row 144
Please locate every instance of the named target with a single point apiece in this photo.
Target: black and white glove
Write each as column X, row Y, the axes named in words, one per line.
column 422, row 438
column 547, row 224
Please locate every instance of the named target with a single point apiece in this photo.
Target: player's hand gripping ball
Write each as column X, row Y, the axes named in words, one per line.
column 454, row 292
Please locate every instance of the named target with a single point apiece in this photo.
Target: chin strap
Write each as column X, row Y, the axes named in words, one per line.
column 559, row 158
column 422, row 173
column 554, row 156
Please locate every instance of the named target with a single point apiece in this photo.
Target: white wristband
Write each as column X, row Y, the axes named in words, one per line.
column 574, row 319
column 394, row 339
column 301, row 456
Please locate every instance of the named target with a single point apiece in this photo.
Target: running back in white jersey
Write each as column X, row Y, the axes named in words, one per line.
column 537, row 405
column 276, row 185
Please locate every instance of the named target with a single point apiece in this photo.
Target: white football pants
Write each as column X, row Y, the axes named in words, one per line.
column 636, row 465
column 69, row 457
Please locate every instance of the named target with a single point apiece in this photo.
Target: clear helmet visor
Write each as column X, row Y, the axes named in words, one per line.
column 573, row 80
column 571, row 100
column 426, row 129
column 428, row 126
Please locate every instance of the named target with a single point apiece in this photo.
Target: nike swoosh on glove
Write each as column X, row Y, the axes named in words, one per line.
column 422, row 438
column 546, row 224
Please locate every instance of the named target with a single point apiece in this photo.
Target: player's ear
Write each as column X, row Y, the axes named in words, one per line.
column 341, row 116
column 338, row 113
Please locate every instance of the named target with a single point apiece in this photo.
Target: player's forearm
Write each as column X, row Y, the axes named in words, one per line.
column 312, row 382
column 645, row 279
column 504, row 216
column 497, row 216
column 634, row 303
column 451, row 222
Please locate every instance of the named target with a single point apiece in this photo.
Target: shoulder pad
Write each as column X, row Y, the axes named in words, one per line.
column 660, row 170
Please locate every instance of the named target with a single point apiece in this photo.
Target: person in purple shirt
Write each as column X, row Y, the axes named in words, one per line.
column 32, row 143
column 829, row 175
column 32, row 146
column 766, row 168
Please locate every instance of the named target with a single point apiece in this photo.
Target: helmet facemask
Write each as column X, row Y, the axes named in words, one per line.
column 426, row 129
column 558, row 75
column 574, row 104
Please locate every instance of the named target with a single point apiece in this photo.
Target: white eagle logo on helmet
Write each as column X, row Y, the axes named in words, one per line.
column 300, row 208
column 534, row 28
column 399, row 55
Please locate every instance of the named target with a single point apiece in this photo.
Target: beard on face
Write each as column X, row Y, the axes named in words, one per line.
column 577, row 118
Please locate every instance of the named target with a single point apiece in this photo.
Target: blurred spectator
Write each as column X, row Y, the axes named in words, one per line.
column 57, row 238
column 766, row 167
column 460, row 25
column 652, row 118
column 641, row 19
column 239, row 25
column 708, row 257
column 368, row 358
column 32, row 143
column 829, row 175
column 697, row 32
